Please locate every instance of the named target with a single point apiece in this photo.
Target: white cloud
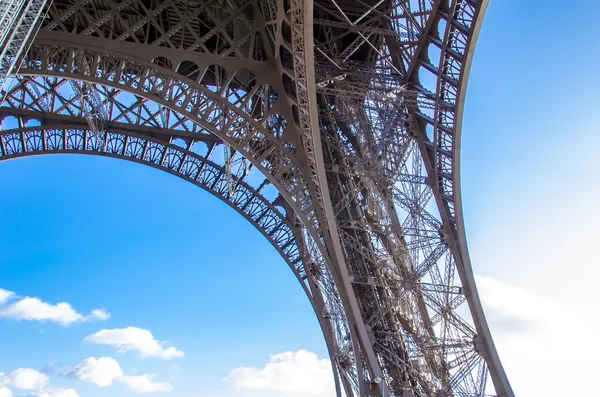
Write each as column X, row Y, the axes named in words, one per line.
column 145, row 384
column 34, row 309
column 100, row 314
column 295, row 372
column 5, row 296
column 134, row 339
column 4, row 379
column 101, row 371
column 104, row 371
column 512, row 309
column 56, row 392
column 31, row 380
column 28, row 379
column 535, row 336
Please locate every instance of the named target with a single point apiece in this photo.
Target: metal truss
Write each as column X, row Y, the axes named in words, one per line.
column 19, row 20
column 333, row 126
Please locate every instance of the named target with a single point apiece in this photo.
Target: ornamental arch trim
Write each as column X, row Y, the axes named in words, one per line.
column 192, row 167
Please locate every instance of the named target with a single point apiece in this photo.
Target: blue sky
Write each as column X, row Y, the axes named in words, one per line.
column 158, row 254
column 162, row 255
column 530, row 195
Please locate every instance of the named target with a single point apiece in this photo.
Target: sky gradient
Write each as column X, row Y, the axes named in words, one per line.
column 201, row 301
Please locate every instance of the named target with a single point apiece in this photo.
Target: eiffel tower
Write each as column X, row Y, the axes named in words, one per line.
column 333, row 126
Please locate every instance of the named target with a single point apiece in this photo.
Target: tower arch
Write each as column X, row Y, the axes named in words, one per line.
column 352, row 112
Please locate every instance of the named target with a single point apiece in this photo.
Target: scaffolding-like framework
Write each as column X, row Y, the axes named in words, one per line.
column 19, row 21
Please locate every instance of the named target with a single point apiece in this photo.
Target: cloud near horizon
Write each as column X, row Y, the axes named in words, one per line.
column 287, row 372
column 513, row 310
column 56, row 392
column 104, row 371
column 531, row 334
column 527, row 328
column 32, row 381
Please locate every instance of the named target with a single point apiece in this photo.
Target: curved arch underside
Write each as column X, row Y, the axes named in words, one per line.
column 45, row 115
column 264, row 214
column 192, row 167
column 349, row 112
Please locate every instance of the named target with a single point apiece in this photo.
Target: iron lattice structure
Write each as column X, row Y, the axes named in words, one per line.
column 333, row 126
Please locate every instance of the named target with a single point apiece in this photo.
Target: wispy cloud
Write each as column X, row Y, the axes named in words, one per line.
column 101, row 371
column 104, row 371
column 4, row 381
column 36, row 384
column 145, row 384
column 34, row 309
column 135, row 339
column 5, row 296
column 513, row 310
column 535, row 337
column 56, row 392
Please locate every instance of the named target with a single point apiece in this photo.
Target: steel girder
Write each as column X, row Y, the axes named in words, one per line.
column 350, row 110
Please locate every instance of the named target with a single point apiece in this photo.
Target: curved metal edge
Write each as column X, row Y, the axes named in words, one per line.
column 358, row 330
column 496, row 369
column 340, row 383
column 222, row 135
column 322, row 323
column 7, row 157
column 205, row 125
column 287, row 195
